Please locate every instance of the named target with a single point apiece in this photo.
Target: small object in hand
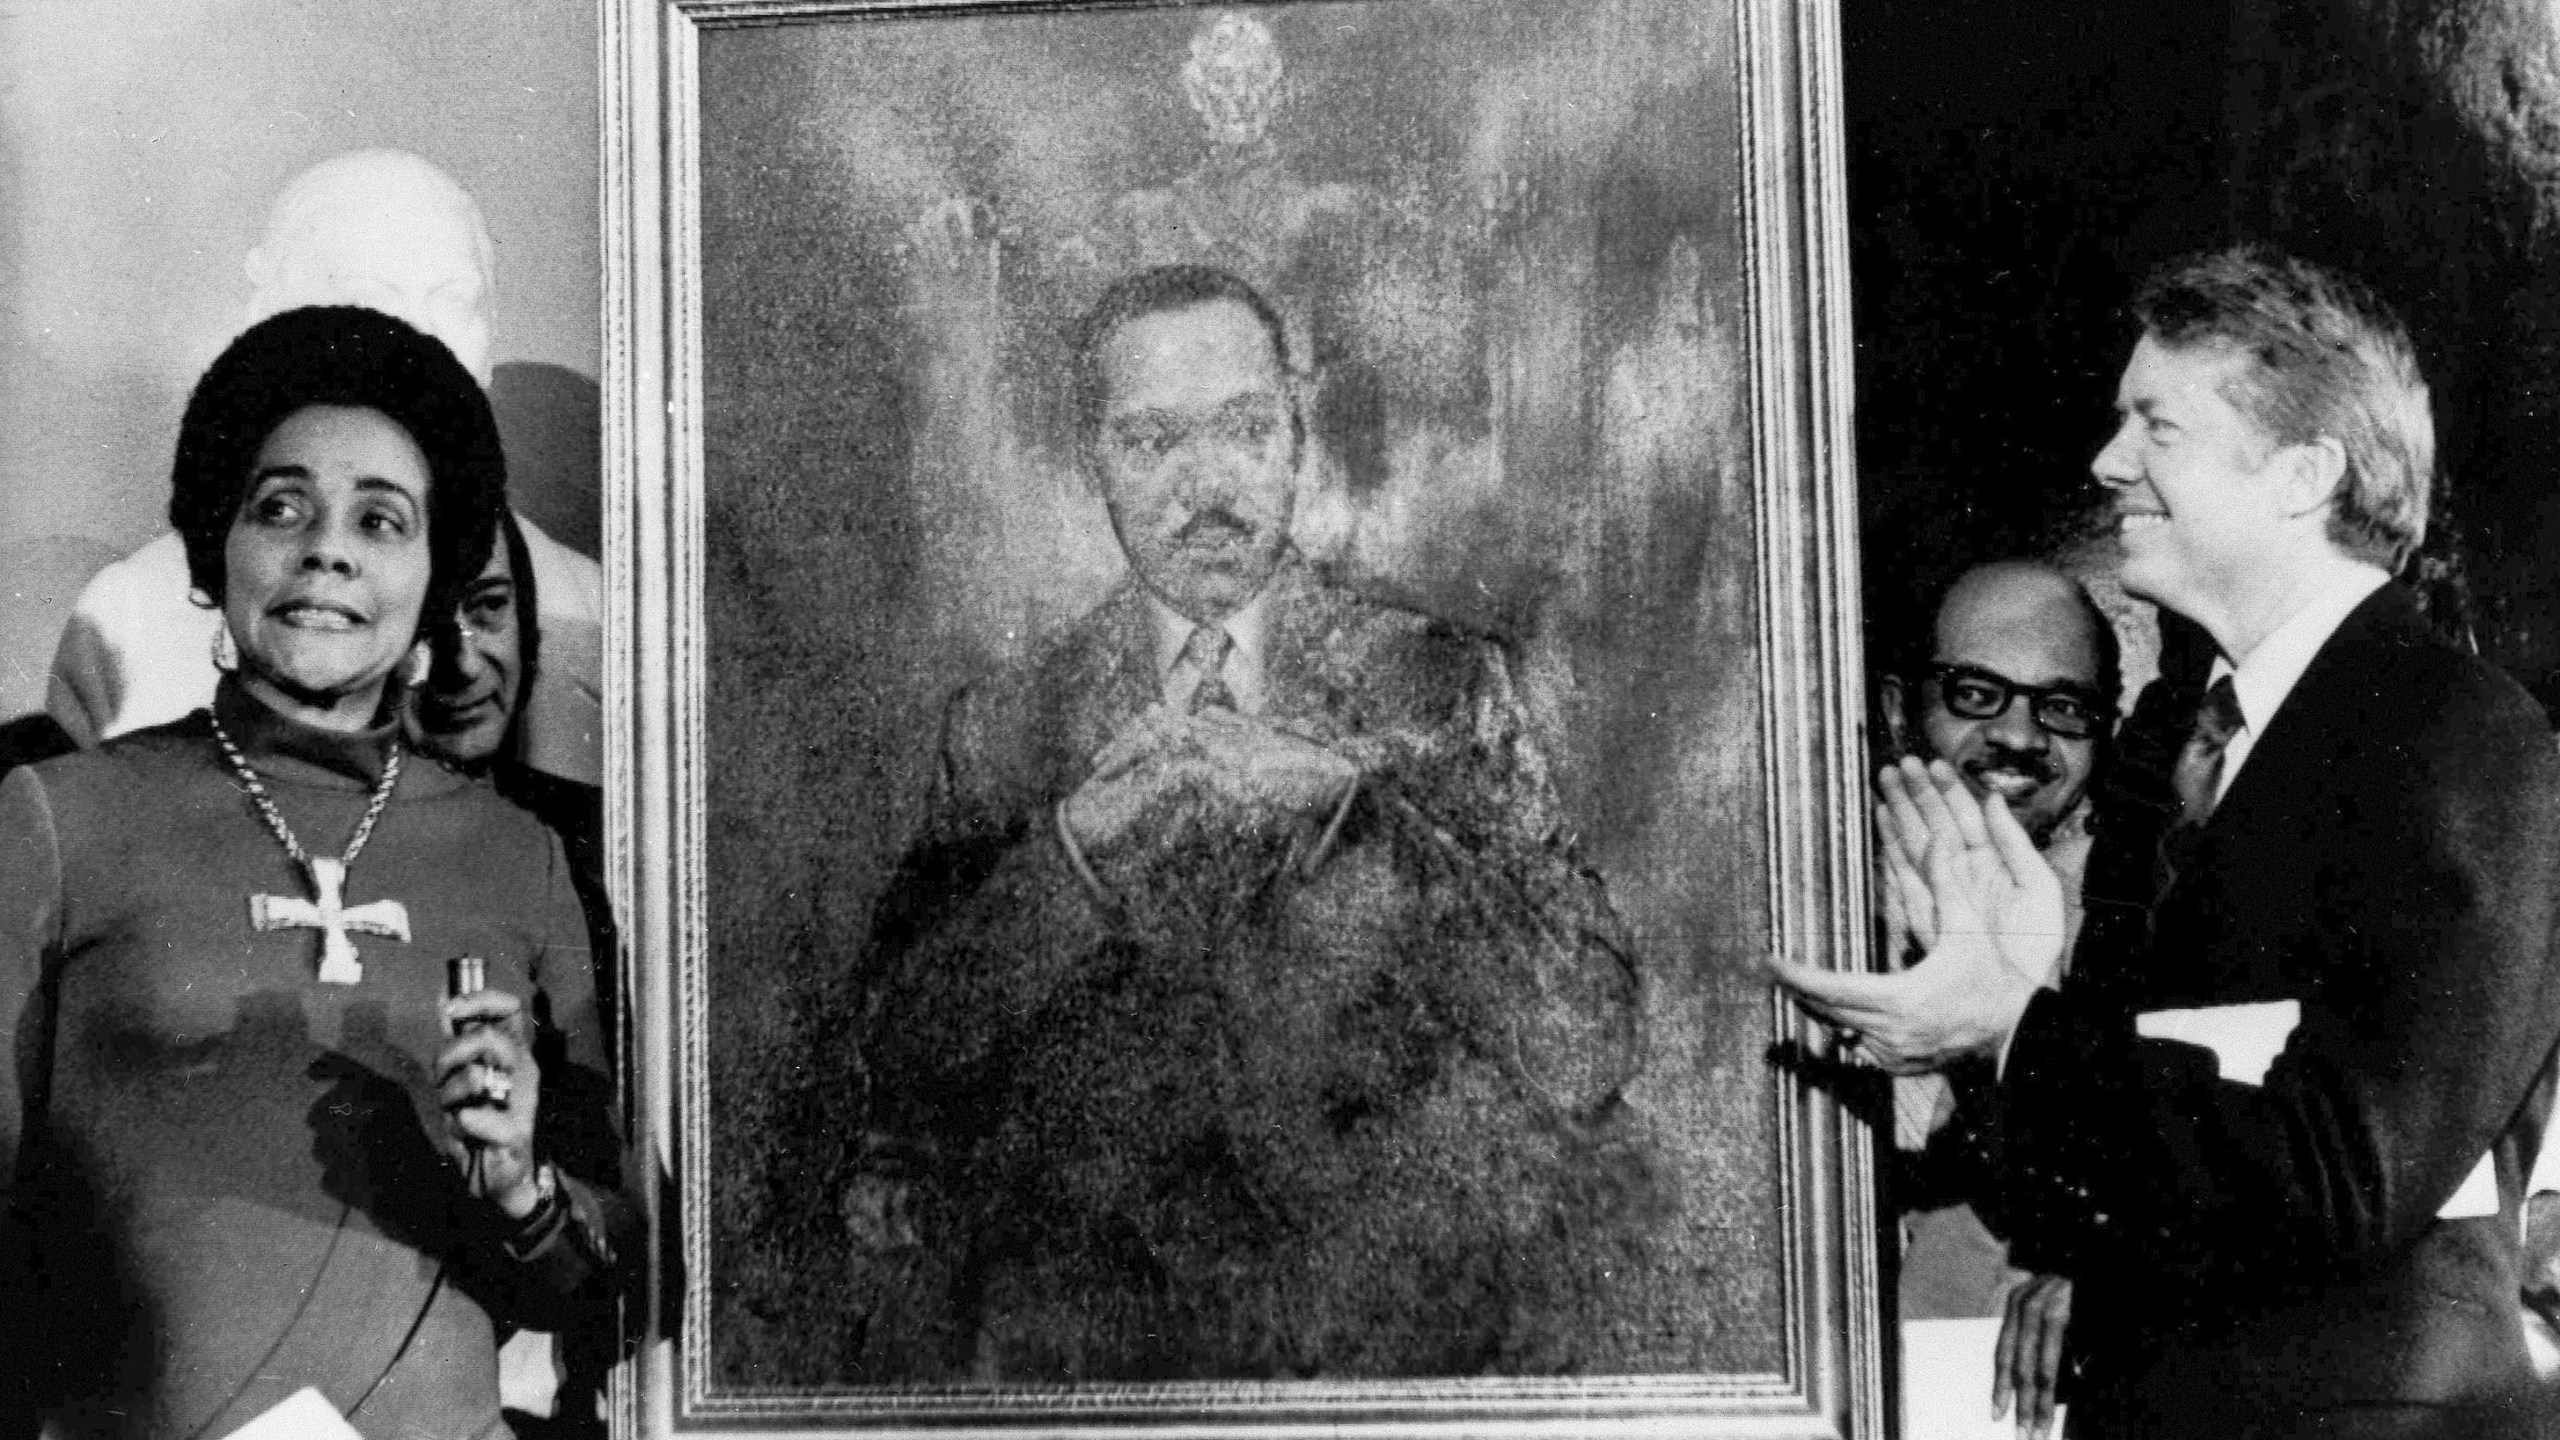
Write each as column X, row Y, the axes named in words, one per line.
column 465, row 976
column 1847, row 1039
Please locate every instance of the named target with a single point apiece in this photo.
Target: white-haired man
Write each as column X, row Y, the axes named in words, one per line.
column 2285, row 1171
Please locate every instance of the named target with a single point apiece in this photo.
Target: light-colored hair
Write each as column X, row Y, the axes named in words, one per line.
column 347, row 211
column 370, row 179
column 2327, row 358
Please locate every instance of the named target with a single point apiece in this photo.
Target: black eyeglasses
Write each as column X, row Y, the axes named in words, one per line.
column 2072, row 712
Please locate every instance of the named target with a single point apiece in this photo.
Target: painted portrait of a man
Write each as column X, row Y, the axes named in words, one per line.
column 1235, row 792
column 1245, row 1010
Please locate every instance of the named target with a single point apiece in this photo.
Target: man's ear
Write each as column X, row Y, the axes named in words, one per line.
column 1897, row 714
column 1298, row 391
column 2314, row 469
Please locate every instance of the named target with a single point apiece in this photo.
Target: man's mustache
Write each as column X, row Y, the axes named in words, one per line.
column 1221, row 517
column 2042, row 769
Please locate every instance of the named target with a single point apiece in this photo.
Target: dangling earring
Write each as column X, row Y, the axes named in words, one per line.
column 415, row 665
column 226, row 651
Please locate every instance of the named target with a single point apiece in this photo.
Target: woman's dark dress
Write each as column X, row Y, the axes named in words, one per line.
column 219, row 1168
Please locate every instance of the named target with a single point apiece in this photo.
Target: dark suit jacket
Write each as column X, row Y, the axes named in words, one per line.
column 2254, row 1254
column 1279, row 1108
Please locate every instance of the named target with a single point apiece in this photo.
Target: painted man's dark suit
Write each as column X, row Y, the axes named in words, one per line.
column 2267, row 1259
column 1268, row 1101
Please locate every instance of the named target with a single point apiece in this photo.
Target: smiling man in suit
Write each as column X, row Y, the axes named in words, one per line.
column 2285, row 1168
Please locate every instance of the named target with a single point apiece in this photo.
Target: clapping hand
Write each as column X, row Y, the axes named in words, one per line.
column 1995, row 908
column 1910, row 916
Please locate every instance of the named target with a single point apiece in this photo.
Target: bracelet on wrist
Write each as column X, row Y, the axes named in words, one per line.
column 530, row 1232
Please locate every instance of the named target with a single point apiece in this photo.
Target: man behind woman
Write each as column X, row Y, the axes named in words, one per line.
column 250, row 1144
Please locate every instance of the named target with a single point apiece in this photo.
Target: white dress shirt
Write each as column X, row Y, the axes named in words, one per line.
column 1249, row 627
column 2268, row 673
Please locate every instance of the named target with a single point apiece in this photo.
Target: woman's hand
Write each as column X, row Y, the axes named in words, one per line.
column 490, row 1089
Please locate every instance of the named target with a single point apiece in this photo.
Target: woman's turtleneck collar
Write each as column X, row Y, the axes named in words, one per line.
column 291, row 750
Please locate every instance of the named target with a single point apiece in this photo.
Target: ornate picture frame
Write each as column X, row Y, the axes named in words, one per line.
column 1566, row 289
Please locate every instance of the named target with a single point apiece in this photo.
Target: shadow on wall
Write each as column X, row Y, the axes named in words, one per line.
column 548, row 417
column 39, row 578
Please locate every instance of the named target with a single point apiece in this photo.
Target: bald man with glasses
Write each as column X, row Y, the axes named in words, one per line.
column 2018, row 692
column 2014, row 685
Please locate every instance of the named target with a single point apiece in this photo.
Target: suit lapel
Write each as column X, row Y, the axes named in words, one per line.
column 1109, row 676
column 1106, row 678
column 2209, row 921
column 1292, row 678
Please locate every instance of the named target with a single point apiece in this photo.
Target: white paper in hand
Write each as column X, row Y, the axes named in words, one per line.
column 1946, row 1382
column 2477, row 1195
column 305, row 1414
column 2244, row 1039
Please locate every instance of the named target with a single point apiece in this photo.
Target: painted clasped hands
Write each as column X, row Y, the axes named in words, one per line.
column 1246, row 761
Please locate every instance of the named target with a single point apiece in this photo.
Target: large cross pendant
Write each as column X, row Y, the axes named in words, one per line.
column 327, row 913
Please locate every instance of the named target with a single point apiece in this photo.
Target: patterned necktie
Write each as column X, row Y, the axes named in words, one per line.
column 2199, row 770
column 2198, row 774
column 1201, row 667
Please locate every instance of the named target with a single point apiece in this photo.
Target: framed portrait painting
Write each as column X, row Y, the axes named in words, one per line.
column 1233, row 635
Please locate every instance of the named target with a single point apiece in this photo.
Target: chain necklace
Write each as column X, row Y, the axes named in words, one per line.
column 326, row 911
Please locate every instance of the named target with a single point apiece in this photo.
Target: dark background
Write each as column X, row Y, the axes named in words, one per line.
column 2009, row 184
column 2017, row 166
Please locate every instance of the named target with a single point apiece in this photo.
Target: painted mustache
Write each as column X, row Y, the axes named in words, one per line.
column 1229, row 524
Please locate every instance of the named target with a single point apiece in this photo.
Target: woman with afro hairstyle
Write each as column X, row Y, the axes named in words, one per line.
column 271, row 981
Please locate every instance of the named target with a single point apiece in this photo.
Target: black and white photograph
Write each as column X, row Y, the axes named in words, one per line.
column 1367, row 718
column 1235, row 708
